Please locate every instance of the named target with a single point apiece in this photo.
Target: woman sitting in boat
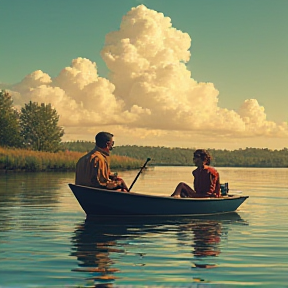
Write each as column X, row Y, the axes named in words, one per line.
column 93, row 169
column 206, row 179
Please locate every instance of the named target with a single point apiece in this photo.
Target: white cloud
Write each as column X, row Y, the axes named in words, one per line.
column 77, row 93
column 149, row 92
column 255, row 121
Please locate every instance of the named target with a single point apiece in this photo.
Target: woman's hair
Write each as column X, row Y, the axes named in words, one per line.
column 102, row 138
column 204, row 155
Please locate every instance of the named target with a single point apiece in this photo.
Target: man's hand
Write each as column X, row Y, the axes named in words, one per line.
column 119, row 183
column 112, row 184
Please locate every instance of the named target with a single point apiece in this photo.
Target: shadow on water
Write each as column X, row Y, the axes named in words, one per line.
column 96, row 241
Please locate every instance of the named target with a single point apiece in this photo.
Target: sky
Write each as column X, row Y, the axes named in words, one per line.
column 188, row 73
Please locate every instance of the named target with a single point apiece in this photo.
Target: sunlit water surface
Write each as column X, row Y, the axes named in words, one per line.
column 46, row 240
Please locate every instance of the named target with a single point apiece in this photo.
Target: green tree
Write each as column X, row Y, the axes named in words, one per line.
column 39, row 127
column 9, row 124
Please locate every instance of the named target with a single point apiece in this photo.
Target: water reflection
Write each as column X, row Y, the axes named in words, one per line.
column 93, row 244
column 102, row 246
column 29, row 188
column 206, row 236
column 27, row 197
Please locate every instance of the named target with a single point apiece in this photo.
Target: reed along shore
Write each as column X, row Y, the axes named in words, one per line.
column 21, row 160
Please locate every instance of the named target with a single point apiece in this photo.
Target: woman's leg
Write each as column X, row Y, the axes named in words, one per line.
column 184, row 191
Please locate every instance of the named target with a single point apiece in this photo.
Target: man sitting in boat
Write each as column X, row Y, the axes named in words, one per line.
column 206, row 179
column 93, row 169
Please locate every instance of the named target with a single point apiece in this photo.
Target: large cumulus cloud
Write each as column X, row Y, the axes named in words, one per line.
column 149, row 90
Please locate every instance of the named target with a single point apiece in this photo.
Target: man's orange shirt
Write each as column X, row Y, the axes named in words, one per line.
column 93, row 169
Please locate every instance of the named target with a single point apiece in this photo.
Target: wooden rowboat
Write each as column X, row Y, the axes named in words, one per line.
column 96, row 202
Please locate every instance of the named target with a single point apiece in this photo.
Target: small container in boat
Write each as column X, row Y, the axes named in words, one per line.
column 224, row 189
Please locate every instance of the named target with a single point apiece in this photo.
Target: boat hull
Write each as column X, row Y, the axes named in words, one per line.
column 96, row 202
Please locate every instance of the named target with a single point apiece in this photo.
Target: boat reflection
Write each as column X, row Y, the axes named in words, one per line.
column 101, row 245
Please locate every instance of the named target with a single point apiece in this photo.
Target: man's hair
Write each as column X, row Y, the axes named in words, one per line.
column 204, row 155
column 102, row 138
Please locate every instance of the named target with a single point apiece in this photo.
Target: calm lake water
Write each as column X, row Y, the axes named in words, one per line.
column 46, row 240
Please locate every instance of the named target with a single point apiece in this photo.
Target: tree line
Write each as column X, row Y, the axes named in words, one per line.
column 248, row 157
column 35, row 127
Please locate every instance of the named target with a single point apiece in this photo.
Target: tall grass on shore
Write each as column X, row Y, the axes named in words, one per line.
column 36, row 161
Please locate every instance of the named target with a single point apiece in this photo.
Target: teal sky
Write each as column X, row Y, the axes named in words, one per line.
column 239, row 45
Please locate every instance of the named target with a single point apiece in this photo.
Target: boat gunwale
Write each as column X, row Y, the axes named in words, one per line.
column 95, row 189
